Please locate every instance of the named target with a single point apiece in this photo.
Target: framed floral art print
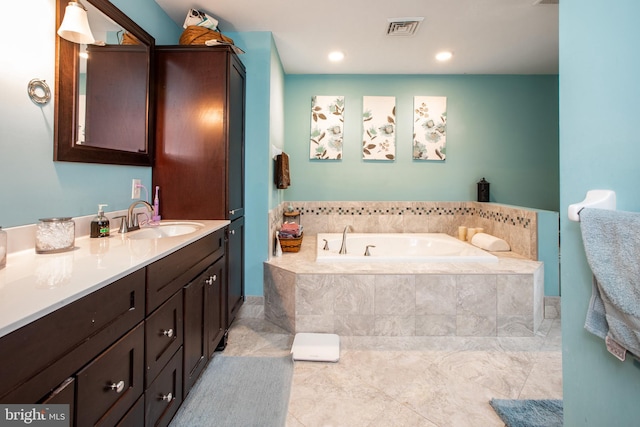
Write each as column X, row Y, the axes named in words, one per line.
column 327, row 125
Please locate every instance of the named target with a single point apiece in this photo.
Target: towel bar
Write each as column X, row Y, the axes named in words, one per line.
column 597, row 199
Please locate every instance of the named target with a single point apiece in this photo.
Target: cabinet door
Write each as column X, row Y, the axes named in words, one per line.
column 200, row 132
column 235, row 179
column 215, row 282
column 164, row 395
column 191, row 138
column 203, row 321
column 195, row 331
column 163, row 335
column 109, row 385
column 235, row 268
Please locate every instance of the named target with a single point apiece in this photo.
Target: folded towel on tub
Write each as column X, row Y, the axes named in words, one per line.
column 612, row 246
column 489, row 242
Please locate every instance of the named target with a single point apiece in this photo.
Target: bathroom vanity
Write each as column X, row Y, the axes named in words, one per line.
column 119, row 328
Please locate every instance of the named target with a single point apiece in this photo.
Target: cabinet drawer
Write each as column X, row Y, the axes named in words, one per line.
column 163, row 335
column 166, row 276
column 58, row 344
column 64, row 395
column 109, row 385
column 135, row 416
column 164, row 395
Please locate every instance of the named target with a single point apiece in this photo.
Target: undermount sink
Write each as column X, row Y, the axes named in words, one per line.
column 165, row 229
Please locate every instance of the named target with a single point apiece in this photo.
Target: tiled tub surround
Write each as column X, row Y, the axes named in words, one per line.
column 503, row 299
column 518, row 226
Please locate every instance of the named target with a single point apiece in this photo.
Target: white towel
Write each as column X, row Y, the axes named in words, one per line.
column 489, row 243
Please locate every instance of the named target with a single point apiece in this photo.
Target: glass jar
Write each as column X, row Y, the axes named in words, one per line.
column 55, row 235
column 3, row 248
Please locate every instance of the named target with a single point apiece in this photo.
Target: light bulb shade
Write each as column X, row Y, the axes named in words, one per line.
column 75, row 25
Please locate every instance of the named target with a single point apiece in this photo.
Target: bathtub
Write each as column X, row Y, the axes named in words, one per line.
column 399, row 247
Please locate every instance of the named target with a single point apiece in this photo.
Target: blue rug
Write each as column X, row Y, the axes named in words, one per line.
column 239, row 391
column 529, row 413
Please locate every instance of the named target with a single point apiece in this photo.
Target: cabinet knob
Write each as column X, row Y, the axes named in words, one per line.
column 117, row 387
column 211, row 279
column 231, row 212
column 168, row 333
column 167, row 397
column 232, row 232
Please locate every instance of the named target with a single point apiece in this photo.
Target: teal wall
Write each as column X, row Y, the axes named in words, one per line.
column 549, row 250
column 264, row 126
column 32, row 185
column 152, row 18
column 504, row 128
column 599, row 149
column 276, row 111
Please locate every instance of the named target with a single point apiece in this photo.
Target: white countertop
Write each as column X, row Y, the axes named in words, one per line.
column 34, row 285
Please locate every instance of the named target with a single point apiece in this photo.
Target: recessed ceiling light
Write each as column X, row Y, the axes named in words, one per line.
column 336, row 56
column 444, row 56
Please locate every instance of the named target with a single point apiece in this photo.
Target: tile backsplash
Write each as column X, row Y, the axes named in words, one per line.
column 516, row 225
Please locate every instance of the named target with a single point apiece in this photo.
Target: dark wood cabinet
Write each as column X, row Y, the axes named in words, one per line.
column 199, row 162
column 116, row 360
column 135, row 416
column 216, row 326
column 195, row 332
column 164, row 395
column 64, row 395
column 235, row 267
column 203, row 321
column 177, row 331
column 61, row 343
column 109, row 385
column 163, row 336
column 167, row 276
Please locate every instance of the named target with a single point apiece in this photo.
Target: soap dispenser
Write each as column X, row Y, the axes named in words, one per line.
column 100, row 224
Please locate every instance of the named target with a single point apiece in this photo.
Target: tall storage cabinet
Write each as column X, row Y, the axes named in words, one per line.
column 199, row 161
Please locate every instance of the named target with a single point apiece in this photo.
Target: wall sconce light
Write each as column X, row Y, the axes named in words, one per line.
column 75, row 25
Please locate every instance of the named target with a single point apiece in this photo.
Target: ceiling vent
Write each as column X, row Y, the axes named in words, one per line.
column 403, row 27
column 537, row 2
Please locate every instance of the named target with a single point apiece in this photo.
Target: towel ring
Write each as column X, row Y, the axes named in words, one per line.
column 39, row 91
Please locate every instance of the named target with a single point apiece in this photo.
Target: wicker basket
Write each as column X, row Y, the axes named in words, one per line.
column 291, row 244
column 128, row 39
column 194, row 34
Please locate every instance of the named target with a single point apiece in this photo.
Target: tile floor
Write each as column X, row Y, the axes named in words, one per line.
column 408, row 381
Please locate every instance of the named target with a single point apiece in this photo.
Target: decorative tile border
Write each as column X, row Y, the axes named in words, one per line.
column 481, row 212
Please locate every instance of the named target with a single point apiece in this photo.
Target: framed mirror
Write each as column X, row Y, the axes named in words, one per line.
column 104, row 91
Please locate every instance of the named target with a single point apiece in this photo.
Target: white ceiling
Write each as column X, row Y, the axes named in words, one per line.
column 485, row 36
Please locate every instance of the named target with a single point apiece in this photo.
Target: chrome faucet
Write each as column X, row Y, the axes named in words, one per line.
column 132, row 218
column 343, row 248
